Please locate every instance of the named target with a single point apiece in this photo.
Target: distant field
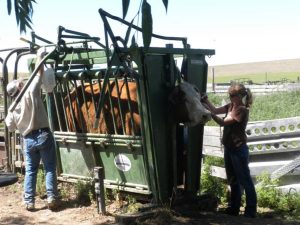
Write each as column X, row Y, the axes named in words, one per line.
column 259, row 72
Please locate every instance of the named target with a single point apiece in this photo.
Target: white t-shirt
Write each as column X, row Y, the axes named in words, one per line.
column 30, row 114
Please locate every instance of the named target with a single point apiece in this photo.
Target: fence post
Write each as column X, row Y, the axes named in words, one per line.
column 99, row 189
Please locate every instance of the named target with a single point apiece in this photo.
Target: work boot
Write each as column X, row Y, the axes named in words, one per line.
column 29, row 206
column 52, row 203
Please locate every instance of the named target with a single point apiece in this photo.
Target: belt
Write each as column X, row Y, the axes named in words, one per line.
column 40, row 130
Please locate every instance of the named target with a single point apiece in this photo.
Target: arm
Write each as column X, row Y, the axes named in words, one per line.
column 35, row 86
column 207, row 104
column 223, row 122
column 10, row 122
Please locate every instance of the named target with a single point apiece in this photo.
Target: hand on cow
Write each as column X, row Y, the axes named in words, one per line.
column 204, row 98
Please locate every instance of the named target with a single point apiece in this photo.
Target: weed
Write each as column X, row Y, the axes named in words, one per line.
column 40, row 183
column 84, row 192
column 215, row 186
column 268, row 195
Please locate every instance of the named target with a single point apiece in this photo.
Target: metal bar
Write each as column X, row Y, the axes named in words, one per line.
column 111, row 107
column 85, row 103
column 99, row 189
column 4, row 84
column 176, row 51
column 20, row 95
column 101, row 98
column 80, row 37
column 129, row 106
column 286, row 168
column 70, row 105
column 42, row 39
column 104, row 14
column 17, row 62
column 84, row 35
column 119, row 105
column 56, row 107
column 63, row 104
column 96, row 136
column 79, row 108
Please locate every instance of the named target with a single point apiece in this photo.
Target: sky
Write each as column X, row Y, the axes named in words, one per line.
column 240, row 31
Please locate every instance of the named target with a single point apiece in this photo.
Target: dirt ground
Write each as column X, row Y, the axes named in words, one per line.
column 69, row 212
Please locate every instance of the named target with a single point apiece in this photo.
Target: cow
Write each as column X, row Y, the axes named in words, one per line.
column 186, row 107
column 84, row 100
column 81, row 106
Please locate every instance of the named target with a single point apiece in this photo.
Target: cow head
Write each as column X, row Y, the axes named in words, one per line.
column 186, row 107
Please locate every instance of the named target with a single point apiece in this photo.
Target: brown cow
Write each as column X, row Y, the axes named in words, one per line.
column 184, row 101
column 83, row 109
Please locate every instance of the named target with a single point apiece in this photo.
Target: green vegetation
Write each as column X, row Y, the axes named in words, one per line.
column 267, row 107
column 258, row 77
column 213, row 185
column 269, row 196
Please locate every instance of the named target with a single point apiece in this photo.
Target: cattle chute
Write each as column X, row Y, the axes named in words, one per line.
column 110, row 108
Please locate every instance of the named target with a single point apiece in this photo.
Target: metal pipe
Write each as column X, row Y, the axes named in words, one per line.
column 4, row 84
column 20, row 95
column 99, row 189
column 104, row 14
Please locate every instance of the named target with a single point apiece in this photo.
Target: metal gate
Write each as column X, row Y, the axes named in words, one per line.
column 109, row 109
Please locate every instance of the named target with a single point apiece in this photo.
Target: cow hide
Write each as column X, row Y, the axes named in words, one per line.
column 186, row 106
column 110, row 121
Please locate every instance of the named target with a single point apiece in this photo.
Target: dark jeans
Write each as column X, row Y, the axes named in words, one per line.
column 238, row 175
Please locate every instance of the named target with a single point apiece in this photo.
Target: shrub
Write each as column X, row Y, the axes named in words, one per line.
column 213, row 185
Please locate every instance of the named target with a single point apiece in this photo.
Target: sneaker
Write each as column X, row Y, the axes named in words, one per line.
column 51, row 203
column 29, row 206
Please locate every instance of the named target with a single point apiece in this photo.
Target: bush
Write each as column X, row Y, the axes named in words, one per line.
column 215, row 186
column 268, row 195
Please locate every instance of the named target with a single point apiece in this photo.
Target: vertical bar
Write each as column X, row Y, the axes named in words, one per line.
column 99, row 189
column 111, row 107
column 56, row 108
column 129, row 106
column 70, row 105
column 78, row 107
column 119, row 105
column 64, row 107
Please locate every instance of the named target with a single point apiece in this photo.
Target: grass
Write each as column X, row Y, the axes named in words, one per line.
column 267, row 107
column 259, row 78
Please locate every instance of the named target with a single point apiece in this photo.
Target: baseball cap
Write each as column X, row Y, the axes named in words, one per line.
column 13, row 87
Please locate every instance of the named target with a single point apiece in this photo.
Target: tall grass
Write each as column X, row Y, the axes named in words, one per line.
column 268, row 107
column 276, row 106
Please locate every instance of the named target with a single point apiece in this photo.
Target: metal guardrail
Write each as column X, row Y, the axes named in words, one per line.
column 255, row 88
column 274, row 147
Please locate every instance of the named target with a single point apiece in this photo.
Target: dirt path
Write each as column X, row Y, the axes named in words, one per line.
column 68, row 213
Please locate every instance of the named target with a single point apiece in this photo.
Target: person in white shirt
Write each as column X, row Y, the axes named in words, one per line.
column 30, row 118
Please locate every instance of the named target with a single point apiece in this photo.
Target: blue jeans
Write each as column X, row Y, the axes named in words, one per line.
column 238, row 174
column 39, row 146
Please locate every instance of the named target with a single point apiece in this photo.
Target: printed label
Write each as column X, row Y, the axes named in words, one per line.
column 122, row 162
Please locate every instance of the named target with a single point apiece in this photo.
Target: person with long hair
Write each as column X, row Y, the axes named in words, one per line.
column 236, row 151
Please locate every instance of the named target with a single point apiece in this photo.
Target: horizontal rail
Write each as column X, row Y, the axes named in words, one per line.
column 274, row 147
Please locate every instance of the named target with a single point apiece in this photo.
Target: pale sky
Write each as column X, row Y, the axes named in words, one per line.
column 239, row 30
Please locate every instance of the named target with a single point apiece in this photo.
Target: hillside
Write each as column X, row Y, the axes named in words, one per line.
column 279, row 66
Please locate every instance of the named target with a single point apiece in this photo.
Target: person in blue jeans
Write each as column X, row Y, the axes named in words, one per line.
column 236, row 152
column 30, row 118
